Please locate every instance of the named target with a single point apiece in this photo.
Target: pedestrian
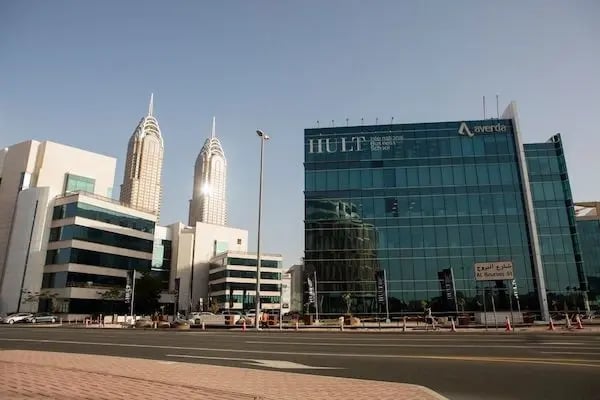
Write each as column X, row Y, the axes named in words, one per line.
column 428, row 318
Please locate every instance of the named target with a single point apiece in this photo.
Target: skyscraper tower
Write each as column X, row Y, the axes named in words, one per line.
column 143, row 167
column 208, row 202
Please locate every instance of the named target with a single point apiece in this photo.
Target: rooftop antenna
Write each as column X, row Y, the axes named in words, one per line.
column 317, row 123
column 332, row 123
column 347, row 119
column 376, row 120
column 151, row 105
column 212, row 135
column 497, row 108
column 484, row 107
column 392, row 123
column 362, row 121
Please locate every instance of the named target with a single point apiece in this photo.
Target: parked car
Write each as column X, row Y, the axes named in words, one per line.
column 196, row 317
column 16, row 318
column 42, row 317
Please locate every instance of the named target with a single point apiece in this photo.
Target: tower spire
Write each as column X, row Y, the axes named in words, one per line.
column 151, row 105
column 213, row 128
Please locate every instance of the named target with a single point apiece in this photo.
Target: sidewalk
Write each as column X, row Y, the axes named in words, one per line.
column 36, row 375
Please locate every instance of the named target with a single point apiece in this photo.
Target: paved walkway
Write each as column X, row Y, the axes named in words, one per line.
column 43, row 375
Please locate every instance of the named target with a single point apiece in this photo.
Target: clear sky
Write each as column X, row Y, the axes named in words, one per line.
column 81, row 73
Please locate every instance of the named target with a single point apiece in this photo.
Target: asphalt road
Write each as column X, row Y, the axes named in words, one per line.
column 459, row 366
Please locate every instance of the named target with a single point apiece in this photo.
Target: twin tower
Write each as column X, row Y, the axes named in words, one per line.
column 141, row 188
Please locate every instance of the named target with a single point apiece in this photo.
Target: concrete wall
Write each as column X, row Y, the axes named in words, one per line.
column 17, row 159
column 26, row 252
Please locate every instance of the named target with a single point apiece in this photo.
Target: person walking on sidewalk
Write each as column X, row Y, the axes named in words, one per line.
column 428, row 318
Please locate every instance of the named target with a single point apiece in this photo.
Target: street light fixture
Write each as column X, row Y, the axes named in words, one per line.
column 263, row 138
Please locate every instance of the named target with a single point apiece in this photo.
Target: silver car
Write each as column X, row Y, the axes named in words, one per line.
column 42, row 317
column 17, row 317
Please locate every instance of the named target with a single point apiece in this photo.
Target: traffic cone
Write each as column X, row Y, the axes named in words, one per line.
column 244, row 326
column 453, row 329
column 508, row 328
column 551, row 325
column 579, row 324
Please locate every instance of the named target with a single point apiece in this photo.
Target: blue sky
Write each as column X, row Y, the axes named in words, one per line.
column 81, row 72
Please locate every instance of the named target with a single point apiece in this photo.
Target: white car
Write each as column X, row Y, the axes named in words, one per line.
column 17, row 317
column 196, row 317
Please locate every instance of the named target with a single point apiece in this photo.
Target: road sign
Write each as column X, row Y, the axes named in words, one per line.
column 494, row 271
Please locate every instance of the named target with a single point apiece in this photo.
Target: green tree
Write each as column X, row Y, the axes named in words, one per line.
column 35, row 297
column 147, row 293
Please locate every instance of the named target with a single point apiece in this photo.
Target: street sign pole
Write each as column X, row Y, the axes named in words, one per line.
column 454, row 290
column 316, row 300
column 484, row 310
column 494, row 307
column 387, row 307
column 132, row 295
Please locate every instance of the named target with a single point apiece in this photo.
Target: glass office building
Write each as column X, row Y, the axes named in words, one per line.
column 588, row 228
column 418, row 200
column 93, row 243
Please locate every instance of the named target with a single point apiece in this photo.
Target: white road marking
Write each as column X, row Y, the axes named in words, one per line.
column 565, row 343
column 276, row 364
column 317, row 354
column 581, row 353
column 449, row 345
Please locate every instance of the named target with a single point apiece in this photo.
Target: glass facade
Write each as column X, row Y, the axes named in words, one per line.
column 415, row 200
column 589, row 234
column 89, row 211
column 161, row 261
column 75, row 183
column 94, row 235
column 556, row 225
column 77, row 279
column 89, row 257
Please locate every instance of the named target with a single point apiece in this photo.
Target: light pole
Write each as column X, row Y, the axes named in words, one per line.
column 263, row 138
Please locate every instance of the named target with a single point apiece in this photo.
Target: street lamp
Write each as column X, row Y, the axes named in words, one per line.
column 263, row 138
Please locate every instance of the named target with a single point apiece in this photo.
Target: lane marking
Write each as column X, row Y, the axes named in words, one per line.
column 565, row 343
column 585, row 353
column 275, row 364
column 550, row 361
column 450, row 345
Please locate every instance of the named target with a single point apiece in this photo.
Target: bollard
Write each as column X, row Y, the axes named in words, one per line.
column 453, row 329
column 203, row 326
column 551, row 325
column 244, row 326
column 578, row 320
column 404, row 324
column 567, row 322
column 341, row 319
column 296, row 324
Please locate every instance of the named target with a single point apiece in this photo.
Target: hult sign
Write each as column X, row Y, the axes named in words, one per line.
column 332, row 145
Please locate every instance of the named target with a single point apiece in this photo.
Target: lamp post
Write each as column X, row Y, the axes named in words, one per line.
column 263, row 138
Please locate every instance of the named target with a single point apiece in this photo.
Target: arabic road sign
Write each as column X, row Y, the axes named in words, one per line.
column 494, row 271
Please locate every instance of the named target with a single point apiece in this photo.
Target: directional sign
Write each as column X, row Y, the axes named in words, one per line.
column 494, row 271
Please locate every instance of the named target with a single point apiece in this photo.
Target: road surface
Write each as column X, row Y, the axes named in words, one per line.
column 459, row 366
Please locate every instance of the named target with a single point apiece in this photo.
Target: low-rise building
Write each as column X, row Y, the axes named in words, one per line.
column 232, row 280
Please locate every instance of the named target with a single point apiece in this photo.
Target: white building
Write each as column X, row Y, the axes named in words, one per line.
column 34, row 177
column 208, row 204
column 232, row 280
column 193, row 248
column 141, row 186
